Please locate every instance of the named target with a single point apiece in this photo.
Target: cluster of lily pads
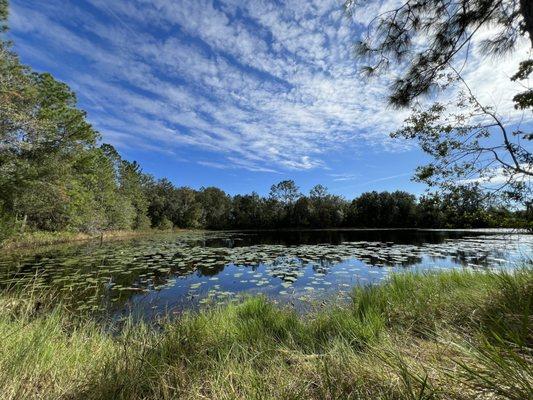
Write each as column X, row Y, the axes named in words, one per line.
column 109, row 276
column 474, row 252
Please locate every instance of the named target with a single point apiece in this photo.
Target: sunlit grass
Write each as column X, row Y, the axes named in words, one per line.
column 436, row 336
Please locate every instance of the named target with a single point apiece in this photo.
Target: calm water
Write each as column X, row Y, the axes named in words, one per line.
column 175, row 272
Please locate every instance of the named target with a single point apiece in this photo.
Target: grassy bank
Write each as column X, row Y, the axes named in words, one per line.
column 459, row 335
column 41, row 238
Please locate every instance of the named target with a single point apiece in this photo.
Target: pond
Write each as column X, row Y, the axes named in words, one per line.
column 170, row 273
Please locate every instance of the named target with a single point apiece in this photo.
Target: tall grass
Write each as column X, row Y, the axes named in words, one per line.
column 458, row 335
column 33, row 239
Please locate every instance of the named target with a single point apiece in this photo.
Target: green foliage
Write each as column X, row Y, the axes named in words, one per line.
column 465, row 149
column 468, row 141
column 215, row 207
column 380, row 210
column 248, row 210
column 463, row 207
column 165, row 224
column 44, row 145
column 326, row 210
column 4, row 12
column 285, row 192
column 53, row 176
column 131, row 187
column 7, row 224
column 427, row 36
column 524, row 100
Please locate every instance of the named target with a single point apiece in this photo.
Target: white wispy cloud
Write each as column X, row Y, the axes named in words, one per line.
column 343, row 177
column 266, row 86
column 373, row 181
column 499, row 176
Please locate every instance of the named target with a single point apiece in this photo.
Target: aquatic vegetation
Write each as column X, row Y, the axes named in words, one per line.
column 437, row 335
column 182, row 271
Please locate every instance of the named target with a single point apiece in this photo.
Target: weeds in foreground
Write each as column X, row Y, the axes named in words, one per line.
column 457, row 335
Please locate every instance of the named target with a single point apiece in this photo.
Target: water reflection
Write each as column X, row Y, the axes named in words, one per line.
column 181, row 271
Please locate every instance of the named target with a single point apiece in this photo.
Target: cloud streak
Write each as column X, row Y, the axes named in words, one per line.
column 264, row 86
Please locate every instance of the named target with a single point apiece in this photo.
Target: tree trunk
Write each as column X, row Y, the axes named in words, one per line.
column 24, row 222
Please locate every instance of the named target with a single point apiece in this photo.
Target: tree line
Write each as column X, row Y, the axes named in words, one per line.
column 286, row 207
column 56, row 176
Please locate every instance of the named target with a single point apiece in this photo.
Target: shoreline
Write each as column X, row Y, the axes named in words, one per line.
column 33, row 240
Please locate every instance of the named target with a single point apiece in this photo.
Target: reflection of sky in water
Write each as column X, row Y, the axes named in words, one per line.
column 173, row 273
column 314, row 283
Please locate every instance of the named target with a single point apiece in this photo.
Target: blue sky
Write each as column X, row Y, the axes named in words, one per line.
column 228, row 93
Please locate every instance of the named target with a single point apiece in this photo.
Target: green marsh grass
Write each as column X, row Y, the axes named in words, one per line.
column 449, row 335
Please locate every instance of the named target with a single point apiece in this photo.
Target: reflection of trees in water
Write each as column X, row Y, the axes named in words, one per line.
column 210, row 270
column 387, row 261
column 111, row 275
column 323, row 266
column 466, row 258
column 335, row 237
column 289, row 268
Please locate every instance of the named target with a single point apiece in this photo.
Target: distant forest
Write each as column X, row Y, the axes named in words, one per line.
column 56, row 176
